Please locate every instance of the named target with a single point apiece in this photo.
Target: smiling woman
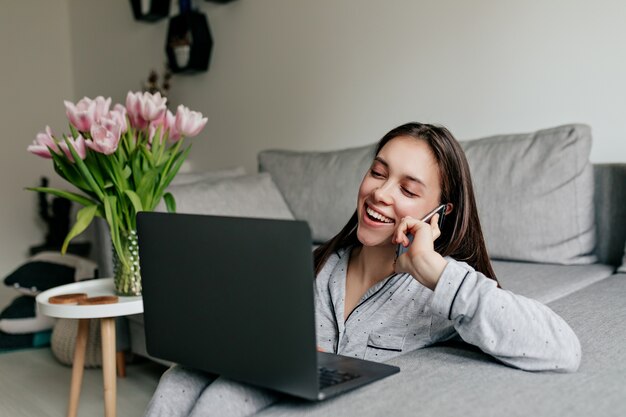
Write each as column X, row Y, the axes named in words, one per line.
column 370, row 305
column 417, row 167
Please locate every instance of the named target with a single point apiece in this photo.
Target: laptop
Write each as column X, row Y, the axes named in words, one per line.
column 235, row 297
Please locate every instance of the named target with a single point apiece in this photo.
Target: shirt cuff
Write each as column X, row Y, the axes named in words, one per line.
column 447, row 288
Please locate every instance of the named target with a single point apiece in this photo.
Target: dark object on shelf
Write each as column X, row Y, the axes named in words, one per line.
column 189, row 43
column 57, row 219
column 157, row 10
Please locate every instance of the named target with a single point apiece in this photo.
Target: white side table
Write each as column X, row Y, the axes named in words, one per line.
column 106, row 313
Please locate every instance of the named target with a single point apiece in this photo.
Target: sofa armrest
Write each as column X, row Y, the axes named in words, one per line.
column 610, row 208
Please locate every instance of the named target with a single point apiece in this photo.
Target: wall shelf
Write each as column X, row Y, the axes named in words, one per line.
column 189, row 43
column 150, row 10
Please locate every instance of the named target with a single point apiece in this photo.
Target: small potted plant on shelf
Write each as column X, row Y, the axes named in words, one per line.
column 181, row 45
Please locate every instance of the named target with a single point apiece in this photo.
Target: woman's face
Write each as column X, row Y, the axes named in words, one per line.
column 402, row 181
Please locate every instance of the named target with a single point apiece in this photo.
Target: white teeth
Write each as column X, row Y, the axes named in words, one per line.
column 378, row 216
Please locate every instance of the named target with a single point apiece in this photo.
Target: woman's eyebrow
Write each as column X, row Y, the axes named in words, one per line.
column 408, row 177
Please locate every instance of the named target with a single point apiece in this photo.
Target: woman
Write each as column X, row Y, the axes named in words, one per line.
column 372, row 305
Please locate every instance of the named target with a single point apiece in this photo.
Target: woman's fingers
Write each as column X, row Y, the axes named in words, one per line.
column 409, row 225
column 434, row 225
column 406, row 226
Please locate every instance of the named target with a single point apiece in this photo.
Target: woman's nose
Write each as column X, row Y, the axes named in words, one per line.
column 383, row 194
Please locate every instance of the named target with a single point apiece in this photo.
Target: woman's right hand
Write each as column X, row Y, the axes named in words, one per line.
column 420, row 261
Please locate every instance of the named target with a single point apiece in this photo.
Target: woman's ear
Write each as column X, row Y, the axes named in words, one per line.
column 449, row 208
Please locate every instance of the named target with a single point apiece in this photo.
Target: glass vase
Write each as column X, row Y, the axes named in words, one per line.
column 127, row 275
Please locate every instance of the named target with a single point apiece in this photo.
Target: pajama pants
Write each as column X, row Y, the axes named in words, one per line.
column 184, row 392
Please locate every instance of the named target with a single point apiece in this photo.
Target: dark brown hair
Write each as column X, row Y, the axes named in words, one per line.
column 461, row 235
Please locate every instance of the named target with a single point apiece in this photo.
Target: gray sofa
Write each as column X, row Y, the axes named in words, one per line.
column 555, row 225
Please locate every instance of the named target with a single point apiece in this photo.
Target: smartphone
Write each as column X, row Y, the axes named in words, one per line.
column 400, row 249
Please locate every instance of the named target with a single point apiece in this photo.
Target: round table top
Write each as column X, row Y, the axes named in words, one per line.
column 93, row 288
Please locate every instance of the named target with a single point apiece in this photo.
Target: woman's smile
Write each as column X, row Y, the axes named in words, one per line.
column 376, row 217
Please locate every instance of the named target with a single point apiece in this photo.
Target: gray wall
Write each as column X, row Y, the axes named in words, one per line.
column 35, row 77
column 325, row 74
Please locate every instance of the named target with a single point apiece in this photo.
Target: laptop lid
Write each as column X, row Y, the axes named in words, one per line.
column 231, row 296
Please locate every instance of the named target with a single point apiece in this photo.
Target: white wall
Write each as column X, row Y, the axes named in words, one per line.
column 326, row 74
column 36, row 76
column 320, row 74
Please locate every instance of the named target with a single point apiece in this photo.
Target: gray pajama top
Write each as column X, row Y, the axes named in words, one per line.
column 398, row 314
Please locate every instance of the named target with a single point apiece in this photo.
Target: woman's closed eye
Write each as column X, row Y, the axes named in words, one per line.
column 408, row 193
column 376, row 174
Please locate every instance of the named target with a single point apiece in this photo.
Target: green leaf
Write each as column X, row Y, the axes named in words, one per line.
column 65, row 194
column 74, row 131
column 170, row 171
column 114, row 226
column 83, row 219
column 145, row 189
column 84, row 170
column 126, row 172
column 170, row 202
column 68, row 171
column 135, row 200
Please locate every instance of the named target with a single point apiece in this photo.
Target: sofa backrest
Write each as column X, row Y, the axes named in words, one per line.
column 535, row 194
column 610, row 207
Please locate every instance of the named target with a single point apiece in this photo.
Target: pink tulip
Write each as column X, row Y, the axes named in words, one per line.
column 188, row 122
column 79, row 146
column 152, row 130
column 105, row 136
column 118, row 114
column 102, row 107
column 152, row 106
column 87, row 111
column 170, row 124
column 43, row 143
column 167, row 122
column 82, row 114
column 133, row 107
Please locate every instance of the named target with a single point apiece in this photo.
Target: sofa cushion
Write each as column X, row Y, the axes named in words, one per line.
column 622, row 268
column 21, row 316
column 243, row 196
column 535, row 194
column 190, row 177
column 48, row 269
column 547, row 282
column 319, row 187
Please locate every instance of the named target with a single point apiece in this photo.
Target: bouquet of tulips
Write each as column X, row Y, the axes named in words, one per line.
column 121, row 159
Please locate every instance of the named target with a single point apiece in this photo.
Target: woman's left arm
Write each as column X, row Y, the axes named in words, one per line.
column 516, row 330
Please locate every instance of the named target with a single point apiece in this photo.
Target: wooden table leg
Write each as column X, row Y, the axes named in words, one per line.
column 107, row 327
column 78, row 366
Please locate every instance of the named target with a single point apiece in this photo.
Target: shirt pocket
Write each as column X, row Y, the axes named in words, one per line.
column 381, row 347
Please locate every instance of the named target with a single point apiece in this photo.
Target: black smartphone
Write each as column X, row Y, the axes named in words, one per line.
column 400, row 249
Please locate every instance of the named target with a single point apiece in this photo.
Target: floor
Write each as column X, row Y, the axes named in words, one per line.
column 34, row 383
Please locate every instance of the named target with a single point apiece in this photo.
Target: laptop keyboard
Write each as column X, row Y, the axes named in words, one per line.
column 328, row 377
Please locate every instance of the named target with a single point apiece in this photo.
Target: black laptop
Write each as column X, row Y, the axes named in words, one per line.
column 234, row 297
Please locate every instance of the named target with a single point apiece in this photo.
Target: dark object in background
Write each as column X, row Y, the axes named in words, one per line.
column 189, row 43
column 56, row 215
column 37, row 276
column 152, row 85
column 157, row 10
